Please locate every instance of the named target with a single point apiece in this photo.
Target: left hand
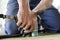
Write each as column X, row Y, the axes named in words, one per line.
column 30, row 22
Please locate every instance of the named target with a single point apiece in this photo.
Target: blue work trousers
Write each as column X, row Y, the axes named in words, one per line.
column 50, row 19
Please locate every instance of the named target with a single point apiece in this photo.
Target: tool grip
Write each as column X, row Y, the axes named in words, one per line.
column 1, row 15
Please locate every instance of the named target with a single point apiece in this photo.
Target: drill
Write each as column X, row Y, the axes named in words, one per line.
column 22, row 34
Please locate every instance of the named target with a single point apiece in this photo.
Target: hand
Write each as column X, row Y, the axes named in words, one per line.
column 26, row 20
column 22, row 18
column 30, row 22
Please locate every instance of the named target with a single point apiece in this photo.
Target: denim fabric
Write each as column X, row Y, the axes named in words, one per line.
column 50, row 18
column 12, row 7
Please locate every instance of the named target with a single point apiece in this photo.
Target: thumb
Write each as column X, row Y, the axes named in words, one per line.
column 19, row 23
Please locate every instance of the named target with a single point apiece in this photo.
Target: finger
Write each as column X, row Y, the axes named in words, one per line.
column 29, row 30
column 19, row 29
column 19, row 23
column 23, row 25
column 26, row 27
column 32, row 26
column 24, row 19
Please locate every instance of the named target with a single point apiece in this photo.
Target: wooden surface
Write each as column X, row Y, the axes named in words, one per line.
column 41, row 37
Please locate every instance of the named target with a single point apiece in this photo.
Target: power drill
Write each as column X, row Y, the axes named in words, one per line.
column 35, row 31
column 22, row 34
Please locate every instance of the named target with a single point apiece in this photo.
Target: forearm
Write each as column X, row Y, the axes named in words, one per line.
column 24, row 5
column 43, row 5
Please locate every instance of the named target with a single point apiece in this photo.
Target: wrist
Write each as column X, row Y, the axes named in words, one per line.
column 23, row 12
column 38, row 12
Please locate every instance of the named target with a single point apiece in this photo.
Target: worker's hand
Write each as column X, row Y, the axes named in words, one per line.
column 22, row 18
column 30, row 22
column 26, row 20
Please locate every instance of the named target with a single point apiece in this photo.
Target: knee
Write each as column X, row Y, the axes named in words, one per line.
column 10, row 27
column 10, row 30
column 52, row 28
